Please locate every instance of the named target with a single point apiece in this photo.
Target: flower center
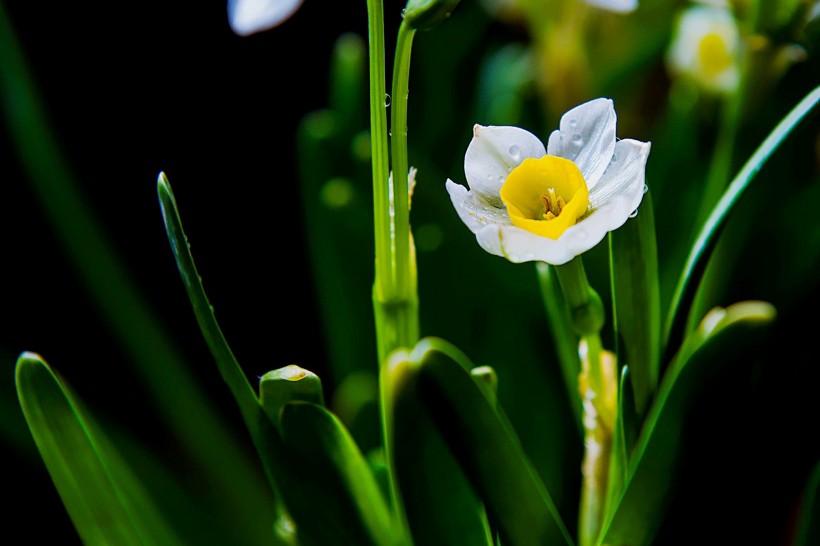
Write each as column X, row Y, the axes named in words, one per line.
column 545, row 196
column 713, row 54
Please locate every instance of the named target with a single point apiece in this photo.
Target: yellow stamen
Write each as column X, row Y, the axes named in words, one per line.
column 545, row 196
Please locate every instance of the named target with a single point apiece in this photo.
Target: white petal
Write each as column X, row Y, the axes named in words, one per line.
column 613, row 207
column 250, row 16
column 586, row 135
column 618, row 6
column 518, row 245
column 493, row 152
column 625, row 176
column 474, row 211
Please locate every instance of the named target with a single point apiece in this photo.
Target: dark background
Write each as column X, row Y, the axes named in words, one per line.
column 132, row 89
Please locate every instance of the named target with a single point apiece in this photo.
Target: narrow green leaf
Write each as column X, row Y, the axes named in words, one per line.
column 482, row 440
column 438, row 501
column 564, row 338
column 229, row 368
column 327, row 483
column 104, row 498
column 620, row 458
column 725, row 337
column 636, row 302
column 260, row 428
column 706, row 239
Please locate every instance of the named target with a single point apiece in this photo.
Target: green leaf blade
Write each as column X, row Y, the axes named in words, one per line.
column 438, row 502
column 726, row 336
column 323, row 465
column 636, row 301
column 482, row 440
column 104, row 499
column 707, row 237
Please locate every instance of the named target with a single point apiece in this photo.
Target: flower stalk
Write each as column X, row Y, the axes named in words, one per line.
column 395, row 298
column 598, row 389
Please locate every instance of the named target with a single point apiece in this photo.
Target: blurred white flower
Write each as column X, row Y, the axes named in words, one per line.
column 705, row 48
column 527, row 203
column 502, row 8
column 248, row 17
column 618, row 6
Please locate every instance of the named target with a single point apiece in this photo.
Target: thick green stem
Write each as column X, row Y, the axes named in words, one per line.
column 378, row 145
column 404, row 259
column 395, row 300
column 597, row 388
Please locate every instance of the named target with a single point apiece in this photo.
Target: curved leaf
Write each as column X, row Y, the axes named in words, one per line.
column 103, row 496
column 437, row 500
column 327, row 484
column 706, row 239
column 725, row 337
column 482, row 440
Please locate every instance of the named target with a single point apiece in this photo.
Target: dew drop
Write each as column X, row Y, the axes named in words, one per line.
column 614, row 158
column 573, row 122
column 577, row 140
column 489, row 177
column 515, row 152
column 645, row 188
column 386, row 100
column 500, row 178
column 633, row 214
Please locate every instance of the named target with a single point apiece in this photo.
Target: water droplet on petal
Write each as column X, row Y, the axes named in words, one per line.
column 633, row 214
column 489, row 177
column 573, row 122
column 645, row 188
column 515, row 152
column 614, row 158
column 500, row 178
column 577, row 140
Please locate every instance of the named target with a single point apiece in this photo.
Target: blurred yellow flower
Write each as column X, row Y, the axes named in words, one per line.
column 705, row 48
column 528, row 203
column 248, row 17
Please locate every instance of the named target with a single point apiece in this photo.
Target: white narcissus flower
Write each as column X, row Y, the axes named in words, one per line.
column 705, row 47
column 526, row 203
column 248, row 17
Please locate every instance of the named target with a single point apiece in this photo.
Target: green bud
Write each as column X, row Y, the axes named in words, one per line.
column 426, row 14
column 487, row 379
column 289, row 384
column 588, row 317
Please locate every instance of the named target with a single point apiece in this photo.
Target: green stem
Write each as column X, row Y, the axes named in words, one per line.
column 598, row 393
column 395, row 303
column 404, row 262
column 379, row 146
